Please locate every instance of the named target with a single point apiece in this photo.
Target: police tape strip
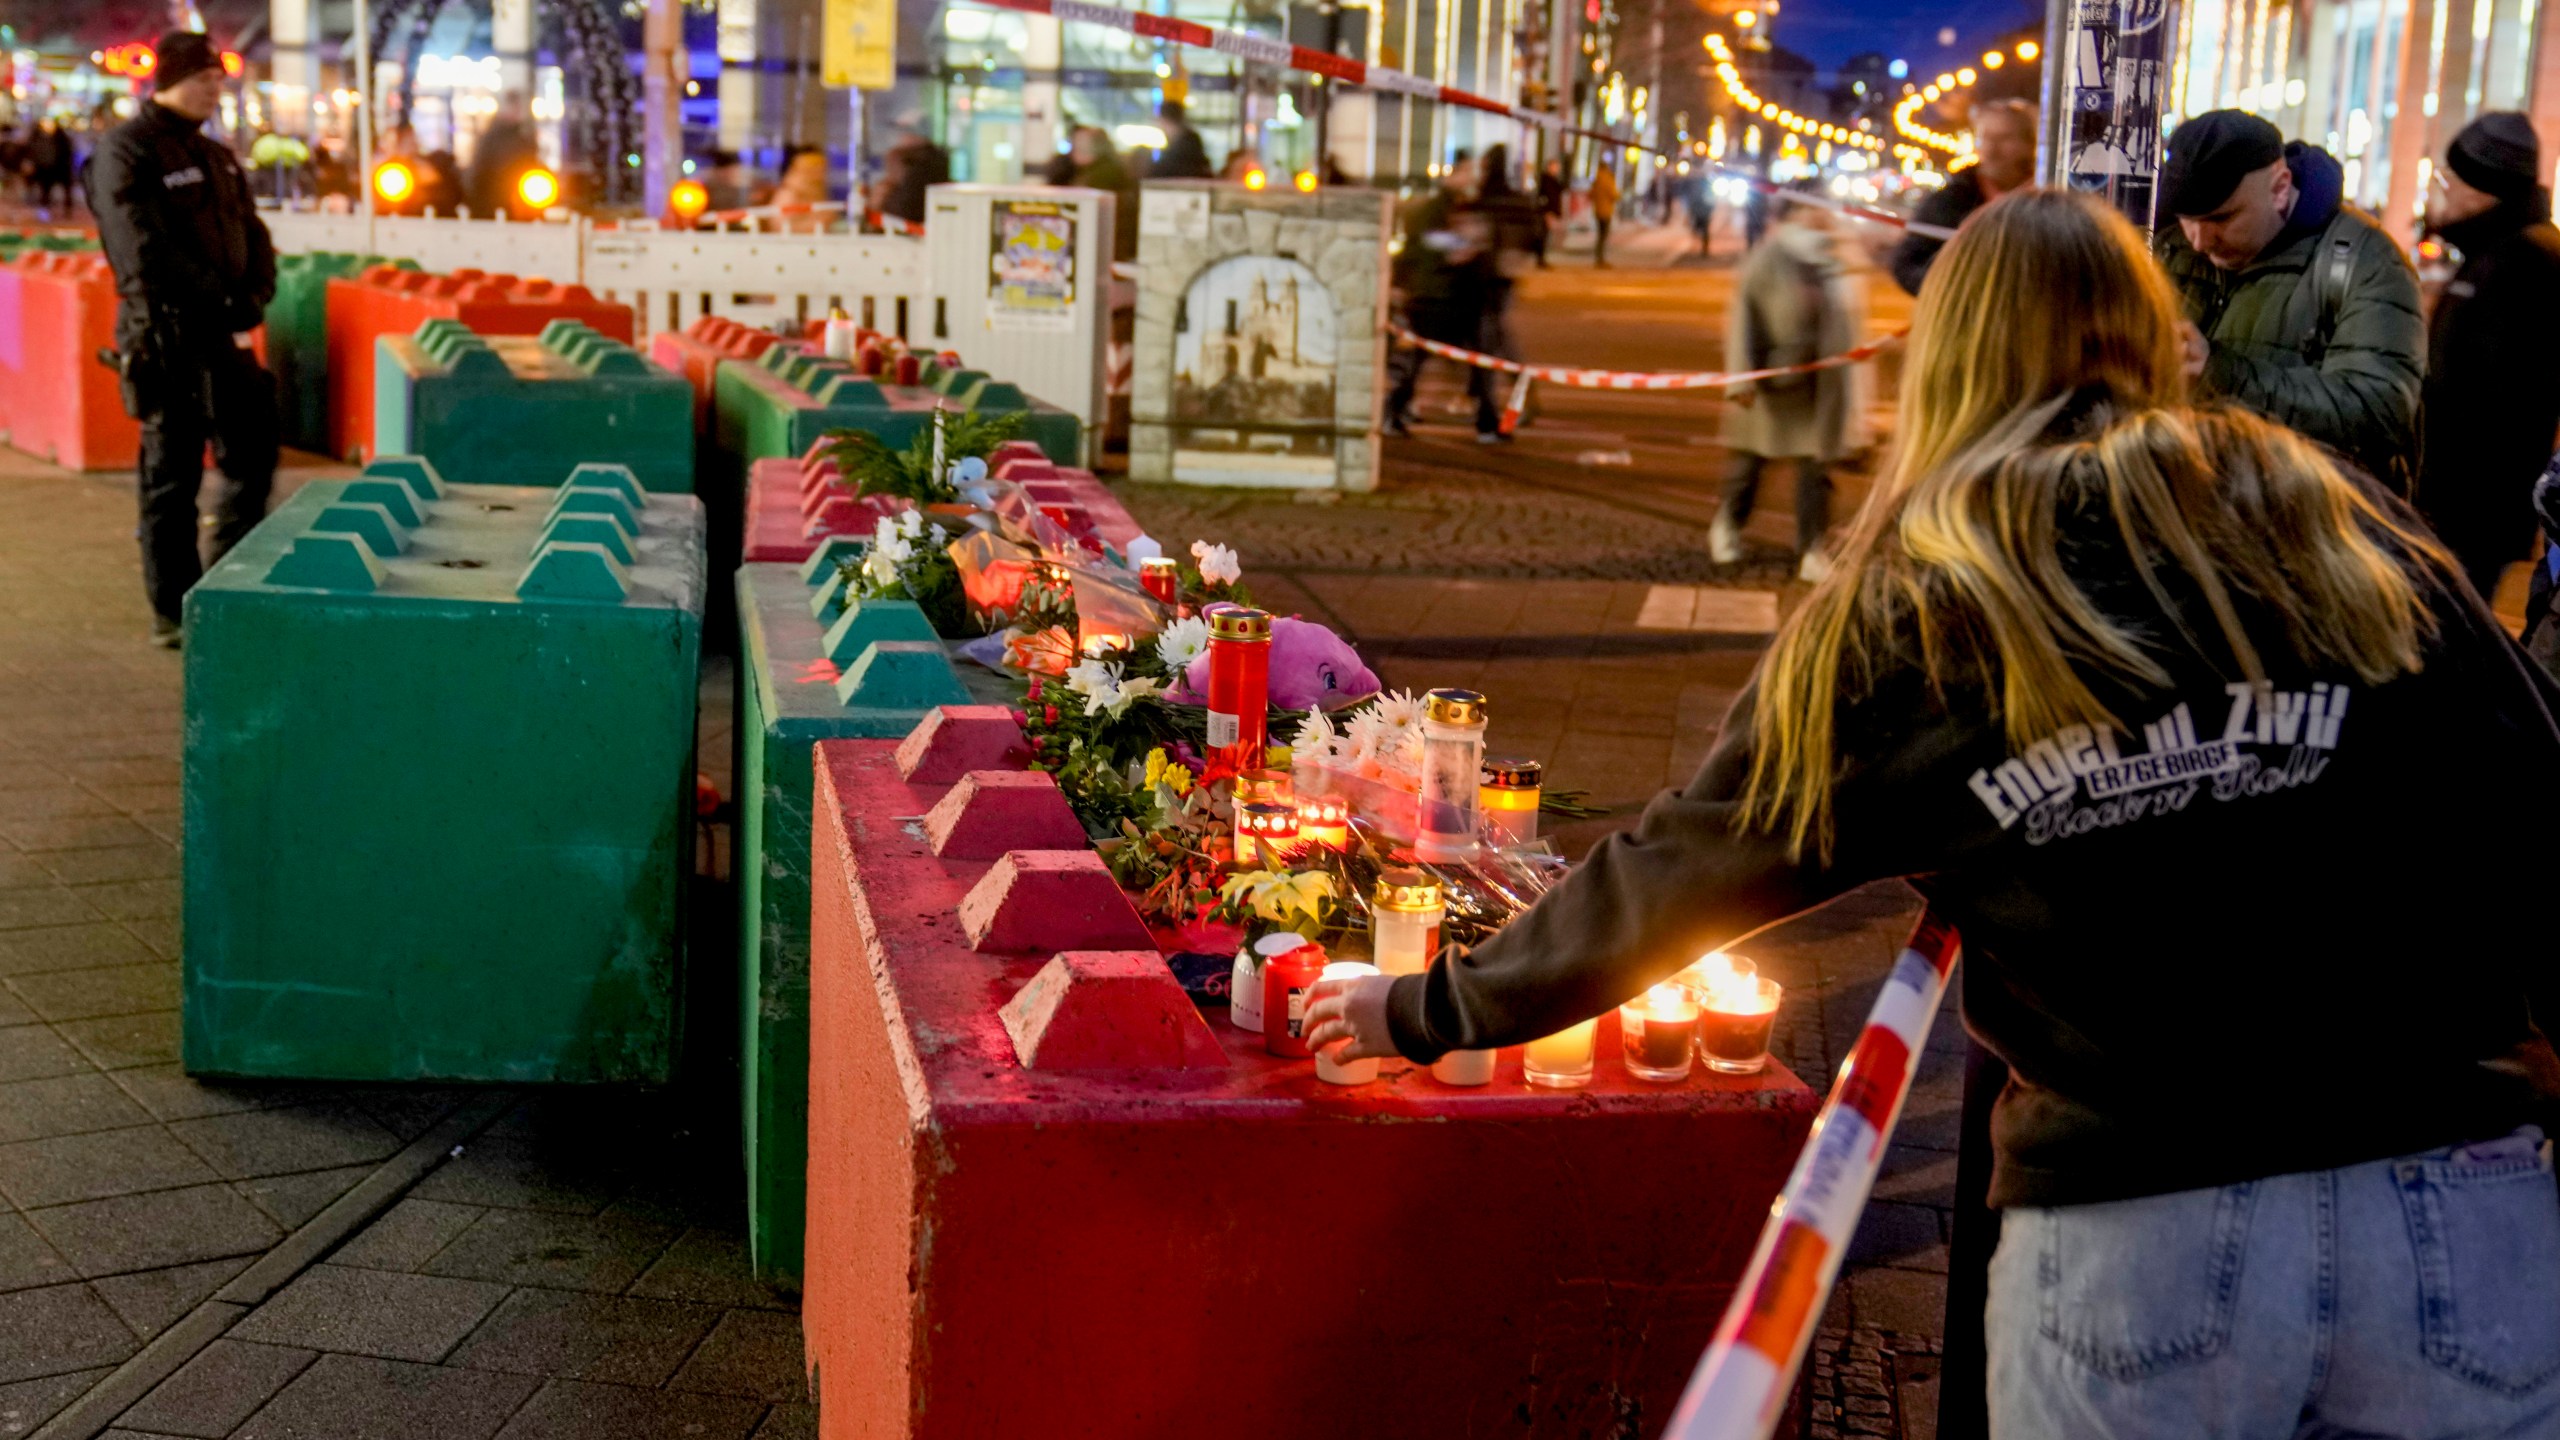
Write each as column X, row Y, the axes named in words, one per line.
column 1584, row 379
column 1742, row 1382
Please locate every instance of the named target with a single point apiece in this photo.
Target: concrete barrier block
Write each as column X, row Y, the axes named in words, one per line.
column 993, row 812
column 957, row 739
column 1037, row 900
column 1109, row 1010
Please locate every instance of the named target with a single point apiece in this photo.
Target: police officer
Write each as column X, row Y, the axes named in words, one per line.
column 194, row 271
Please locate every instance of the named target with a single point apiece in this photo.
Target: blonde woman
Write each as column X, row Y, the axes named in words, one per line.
column 2195, row 738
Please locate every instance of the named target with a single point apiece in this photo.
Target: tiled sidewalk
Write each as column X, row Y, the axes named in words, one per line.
column 543, row 1264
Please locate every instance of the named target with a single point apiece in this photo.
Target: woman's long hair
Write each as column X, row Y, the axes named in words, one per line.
column 2047, row 300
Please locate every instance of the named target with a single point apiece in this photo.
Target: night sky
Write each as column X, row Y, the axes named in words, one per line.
column 1830, row 31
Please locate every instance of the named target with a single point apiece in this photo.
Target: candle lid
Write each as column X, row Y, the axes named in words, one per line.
column 1454, row 707
column 1407, row 890
column 1159, row 565
column 1238, row 622
column 1267, row 817
column 1512, row 774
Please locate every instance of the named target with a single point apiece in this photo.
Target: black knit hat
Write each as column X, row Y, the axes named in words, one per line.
column 182, row 53
column 2210, row 155
column 2497, row 154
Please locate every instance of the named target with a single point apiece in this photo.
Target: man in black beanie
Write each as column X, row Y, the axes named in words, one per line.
column 2493, row 389
column 194, row 272
column 2299, row 305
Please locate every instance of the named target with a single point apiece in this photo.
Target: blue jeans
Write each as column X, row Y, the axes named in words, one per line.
column 2416, row 1298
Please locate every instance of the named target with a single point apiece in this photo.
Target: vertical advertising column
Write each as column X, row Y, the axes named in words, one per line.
column 2114, row 76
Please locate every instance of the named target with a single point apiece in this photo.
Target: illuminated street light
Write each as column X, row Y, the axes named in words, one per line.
column 1946, row 82
column 688, row 199
column 538, row 188
column 394, row 181
column 1993, row 59
column 1966, row 76
column 1744, row 19
column 2027, row 50
column 1305, row 180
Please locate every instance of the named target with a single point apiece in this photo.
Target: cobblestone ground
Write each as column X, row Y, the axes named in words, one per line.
column 263, row 1261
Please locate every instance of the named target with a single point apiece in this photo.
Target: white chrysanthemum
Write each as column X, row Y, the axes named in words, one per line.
column 880, row 568
column 1181, row 642
column 911, row 523
column 1315, row 740
column 1217, row 563
column 1398, row 710
column 1090, row 676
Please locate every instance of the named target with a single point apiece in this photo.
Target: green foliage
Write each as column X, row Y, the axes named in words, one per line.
column 872, row 468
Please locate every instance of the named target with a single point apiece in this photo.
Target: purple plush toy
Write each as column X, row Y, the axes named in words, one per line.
column 1311, row 668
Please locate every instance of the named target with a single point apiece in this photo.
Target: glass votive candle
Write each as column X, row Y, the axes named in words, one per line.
column 1105, row 645
column 1357, row 1072
column 1508, row 792
column 1734, row 1021
column 1161, row 577
column 1266, row 834
column 1324, row 820
column 1561, row 1061
column 1660, row 1029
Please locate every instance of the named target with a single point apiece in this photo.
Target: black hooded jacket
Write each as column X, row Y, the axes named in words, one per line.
column 2492, row 410
column 194, row 264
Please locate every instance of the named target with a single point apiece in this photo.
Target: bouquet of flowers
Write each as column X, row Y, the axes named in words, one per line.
column 872, row 468
column 908, row 560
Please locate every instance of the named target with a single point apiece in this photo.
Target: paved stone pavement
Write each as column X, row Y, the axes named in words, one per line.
column 181, row 1258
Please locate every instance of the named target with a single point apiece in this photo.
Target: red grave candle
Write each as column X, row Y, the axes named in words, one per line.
column 1286, row 979
column 1161, row 576
column 1239, row 684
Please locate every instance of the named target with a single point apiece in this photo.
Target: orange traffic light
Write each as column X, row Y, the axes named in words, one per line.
column 394, row 181
column 688, row 199
column 538, row 188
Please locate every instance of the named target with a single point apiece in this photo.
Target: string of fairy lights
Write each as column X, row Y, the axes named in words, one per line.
column 1918, row 137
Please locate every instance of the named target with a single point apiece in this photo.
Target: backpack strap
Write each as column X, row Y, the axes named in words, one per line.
column 2330, row 274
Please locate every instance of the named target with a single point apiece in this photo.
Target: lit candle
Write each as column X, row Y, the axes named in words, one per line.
column 1739, row 1008
column 1266, row 834
column 1404, row 922
column 1357, row 1072
column 1659, row 1028
column 1324, row 820
column 1561, row 1061
column 1509, row 792
column 1161, row 576
column 1104, row 644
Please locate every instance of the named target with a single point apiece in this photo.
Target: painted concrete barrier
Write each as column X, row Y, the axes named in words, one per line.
column 439, row 779
column 519, row 410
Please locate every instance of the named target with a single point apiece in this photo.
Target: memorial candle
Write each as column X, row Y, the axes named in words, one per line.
column 1286, row 979
column 1561, row 1061
column 1404, row 922
column 1266, row 835
column 1324, row 820
column 1452, row 758
column 1357, row 1072
column 1509, row 791
column 1738, row 1008
column 1659, row 1028
column 1239, row 684
column 1161, row 576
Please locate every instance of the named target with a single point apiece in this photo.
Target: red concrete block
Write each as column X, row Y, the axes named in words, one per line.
column 695, row 352
column 1037, row 901
column 1108, row 1010
column 957, row 739
column 991, row 812
column 1241, row 1250
column 68, row 408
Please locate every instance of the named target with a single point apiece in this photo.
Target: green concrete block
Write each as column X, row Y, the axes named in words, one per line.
column 778, row 405
column 833, row 553
column 787, row 701
column 529, row 410
column 865, row 623
column 298, row 338
column 439, row 802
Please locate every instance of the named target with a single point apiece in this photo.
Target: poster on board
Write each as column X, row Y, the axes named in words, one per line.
column 1031, row 265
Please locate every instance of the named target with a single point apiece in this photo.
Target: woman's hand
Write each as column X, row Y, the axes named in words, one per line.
column 1352, row 1014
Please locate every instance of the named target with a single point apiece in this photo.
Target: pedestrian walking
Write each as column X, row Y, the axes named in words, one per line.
column 1512, row 224
column 2492, row 393
column 2126, row 688
column 2004, row 142
column 194, row 271
column 506, row 149
column 2299, row 306
column 1790, row 305
column 913, row 166
column 48, row 163
column 1604, row 211
column 1184, row 156
column 1701, row 193
column 1099, row 167
column 1551, row 192
column 1441, row 278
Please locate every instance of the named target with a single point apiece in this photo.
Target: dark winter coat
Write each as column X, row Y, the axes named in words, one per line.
column 193, row 262
column 2321, row 331
column 1945, row 209
column 2493, row 389
column 1184, row 157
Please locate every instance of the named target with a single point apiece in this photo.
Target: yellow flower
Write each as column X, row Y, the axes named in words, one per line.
column 1178, row 777
column 1156, row 766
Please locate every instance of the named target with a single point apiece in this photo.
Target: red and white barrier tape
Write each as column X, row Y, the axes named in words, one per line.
column 1742, row 1382
column 1638, row 379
